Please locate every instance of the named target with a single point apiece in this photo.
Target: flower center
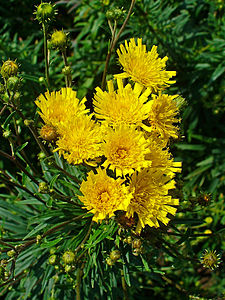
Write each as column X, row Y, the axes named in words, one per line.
column 120, row 153
column 104, row 197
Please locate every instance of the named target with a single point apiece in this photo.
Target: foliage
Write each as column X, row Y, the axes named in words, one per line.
column 36, row 225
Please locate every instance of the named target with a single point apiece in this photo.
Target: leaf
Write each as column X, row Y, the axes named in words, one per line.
column 8, row 119
column 193, row 147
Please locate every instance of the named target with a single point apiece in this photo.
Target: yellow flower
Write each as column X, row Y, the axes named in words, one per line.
column 58, row 107
column 126, row 105
column 125, row 150
column 80, row 140
column 144, row 67
column 162, row 159
column 162, row 116
column 103, row 195
column 151, row 201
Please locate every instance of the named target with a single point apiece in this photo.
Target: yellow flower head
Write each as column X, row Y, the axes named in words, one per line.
column 80, row 140
column 163, row 116
column 59, row 107
column 151, row 201
column 162, row 159
column 125, row 150
column 144, row 67
column 103, row 195
column 126, row 105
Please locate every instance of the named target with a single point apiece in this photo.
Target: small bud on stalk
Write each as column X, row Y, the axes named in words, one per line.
column 9, row 68
column 59, row 40
column 45, row 12
column 48, row 133
column 115, row 255
column 68, row 257
column 43, row 188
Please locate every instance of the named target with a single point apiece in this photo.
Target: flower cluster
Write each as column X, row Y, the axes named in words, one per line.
column 127, row 137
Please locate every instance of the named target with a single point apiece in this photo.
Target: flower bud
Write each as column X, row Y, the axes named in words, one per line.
column 68, row 257
column 43, row 188
column 13, row 83
column 6, row 134
column 115, row 255
column 114, row 14
column 136, row 243
column 38, row 238
column 68, row 268
column 109, row 261
column 9, row 68
column 52, row 259
column 67, row 70
column 49, row 133
column 59, row 40
column 28, row 122
column 11, row 253
column 210, row 259
column 45, row 12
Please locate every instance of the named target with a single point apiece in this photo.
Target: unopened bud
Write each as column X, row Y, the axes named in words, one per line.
column 68, row 257
column 49, row 133
column 11, row 253
column 45, row 12
column 115, row 255
column 13, row 83
column 52, row 259
column 43, row 187
column 9, row 68
column 59, row 40
column 136, row 243
column 109, row 261
column 67, row 70
column 114, row 14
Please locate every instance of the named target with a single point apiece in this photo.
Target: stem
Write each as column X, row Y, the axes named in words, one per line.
column 85, row 238
column 67, row 77
column 113, row 44
column 124, row 286
column 78, row 283
column 46, row 55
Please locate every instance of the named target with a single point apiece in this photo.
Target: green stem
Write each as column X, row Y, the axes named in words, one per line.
column 67, row 77
column 124, row 286
column 113, row 43
column 46, row 55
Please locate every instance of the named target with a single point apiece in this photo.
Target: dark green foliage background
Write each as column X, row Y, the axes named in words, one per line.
column 192, row 34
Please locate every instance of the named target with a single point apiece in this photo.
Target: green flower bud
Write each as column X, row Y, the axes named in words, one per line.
column 114, row 14
column 68, row 268
column 45, row 12
column 68, row 257
column 38, row 238
column 67, row 70
column 115, row 255
column 13, row 83
column 59, row 40
column 28, row 122
column 41, row 155
column 11, row 253
column 43, row 187
column 52, row 259
column 6, row 134
column 9, row 68
column 41, row 79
